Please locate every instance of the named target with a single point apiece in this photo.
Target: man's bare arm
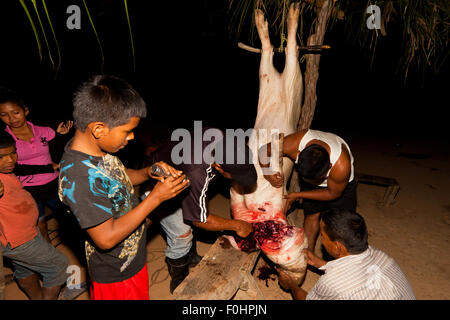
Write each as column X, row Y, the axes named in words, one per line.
column 336, row 182
column 215, row 223
column 290, row 150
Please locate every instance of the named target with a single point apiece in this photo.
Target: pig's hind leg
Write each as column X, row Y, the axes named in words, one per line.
column 266, row 68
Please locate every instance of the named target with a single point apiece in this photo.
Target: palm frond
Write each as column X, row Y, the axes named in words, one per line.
column 54, row 37
column 43, row 32
column 242, row 23
column 125, row 2
column 420, row 27
column 36, row 35
column 96, row 34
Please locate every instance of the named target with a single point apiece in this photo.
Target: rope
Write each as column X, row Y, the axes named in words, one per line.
column 283, row 22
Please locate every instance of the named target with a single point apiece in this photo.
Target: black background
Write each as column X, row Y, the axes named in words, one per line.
column 188, row 67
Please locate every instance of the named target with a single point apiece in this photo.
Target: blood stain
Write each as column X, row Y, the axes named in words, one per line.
column 265, row 273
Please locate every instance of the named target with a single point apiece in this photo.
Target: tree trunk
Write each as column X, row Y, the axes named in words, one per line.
column 312, row 65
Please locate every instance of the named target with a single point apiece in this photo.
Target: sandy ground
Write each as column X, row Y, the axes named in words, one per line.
column 415, row 230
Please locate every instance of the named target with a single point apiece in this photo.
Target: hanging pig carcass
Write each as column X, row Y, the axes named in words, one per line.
column 278, row 111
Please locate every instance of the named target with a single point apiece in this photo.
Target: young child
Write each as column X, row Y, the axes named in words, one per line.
column 19, row 236
column 99, row 189
column 33, row 153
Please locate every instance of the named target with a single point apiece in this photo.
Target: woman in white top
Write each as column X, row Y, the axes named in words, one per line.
column 325, row 166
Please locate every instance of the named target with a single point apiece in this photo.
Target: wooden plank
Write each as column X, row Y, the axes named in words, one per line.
column 249, row 289
column 371, row 179
column 219, row 275
column 392, row 187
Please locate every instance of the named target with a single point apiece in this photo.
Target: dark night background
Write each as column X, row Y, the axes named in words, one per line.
column 188, row 68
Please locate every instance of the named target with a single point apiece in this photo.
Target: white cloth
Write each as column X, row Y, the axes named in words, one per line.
column 371, row 275
column 335, row 142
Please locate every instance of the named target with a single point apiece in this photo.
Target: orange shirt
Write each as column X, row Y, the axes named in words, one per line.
column 18, row 213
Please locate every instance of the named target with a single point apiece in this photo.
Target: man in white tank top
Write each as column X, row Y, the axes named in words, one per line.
column 325, row 166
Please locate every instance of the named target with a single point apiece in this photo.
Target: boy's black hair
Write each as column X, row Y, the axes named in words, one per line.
column 107, row 99
column 6, row 140
column 348, row 227
column 313, row 162
column 8, row 95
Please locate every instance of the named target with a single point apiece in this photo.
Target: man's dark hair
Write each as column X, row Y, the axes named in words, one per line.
column 243, row 173
column 6, row 140
column 348, row 227
column 107, row 99
column 236, row 159
column 8, row 95
column 313, row 162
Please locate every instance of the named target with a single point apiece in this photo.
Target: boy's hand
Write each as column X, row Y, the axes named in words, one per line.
column 1, row 189
column 243, row 228
column 169, row 170
column 64, row 127
column 169, row 187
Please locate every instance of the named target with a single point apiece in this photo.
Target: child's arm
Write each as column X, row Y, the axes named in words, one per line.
column 140, row 176
column 64, row 127
column 29, row 169
column 109, row 233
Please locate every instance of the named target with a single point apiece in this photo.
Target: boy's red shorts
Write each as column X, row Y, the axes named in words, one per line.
column 134, row 288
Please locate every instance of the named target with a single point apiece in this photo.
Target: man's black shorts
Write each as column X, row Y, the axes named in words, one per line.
column 346, row 201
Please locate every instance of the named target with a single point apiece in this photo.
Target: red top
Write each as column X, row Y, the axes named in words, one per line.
column 18, row 213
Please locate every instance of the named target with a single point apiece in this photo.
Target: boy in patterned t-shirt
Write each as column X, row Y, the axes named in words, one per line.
column 99, row 189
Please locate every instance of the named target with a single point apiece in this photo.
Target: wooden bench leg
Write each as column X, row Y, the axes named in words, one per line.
column 392, row 187
column 390, row 195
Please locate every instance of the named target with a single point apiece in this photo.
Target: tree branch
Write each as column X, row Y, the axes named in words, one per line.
column 306, row 48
